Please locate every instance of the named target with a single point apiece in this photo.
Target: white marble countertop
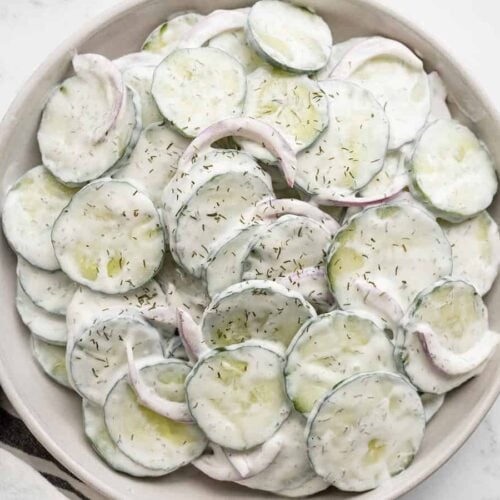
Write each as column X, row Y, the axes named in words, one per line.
column 30, row 29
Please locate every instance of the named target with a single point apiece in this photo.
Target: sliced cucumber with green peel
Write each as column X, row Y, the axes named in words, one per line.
column 330, row 348
column 165, row 38
column 235, row 43
column 432, row 404
column 452, row 171
column 30, row 209
column 52, row 359
column 88, row 306
column 475, row 245
column 159, row 385
column 224, row 267
column 195, row 88
column 51, row 291
column 98, row 357
column 439, row 108
column 153, row 161
column 153, row 441
column 259, row 310
column 291, row 468
column 49, row 327
column 339, row 50
column 351, row 151
column 289, row 36
column 182, row 289
column 237, row 395
column 98, row 435
column 88, row 121
column 287, row 246
column 366, row 430
column 310, row 487
column 395, row 76
column 448, row 325
column 216, row 207
column 110, row 237
column 140, row 78
column 312, row 284
column 396, row 248
column 393, row 171
column 294, row 105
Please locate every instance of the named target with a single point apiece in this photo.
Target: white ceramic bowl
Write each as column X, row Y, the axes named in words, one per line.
column 53, row 414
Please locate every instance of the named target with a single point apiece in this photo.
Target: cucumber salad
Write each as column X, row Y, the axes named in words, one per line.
column 256, row 250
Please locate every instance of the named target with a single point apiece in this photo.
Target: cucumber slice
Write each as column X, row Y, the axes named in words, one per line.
column 351, row 151
column 153, row 161
column 88, row 121
column 395, row 76
column 165, row 38
column 289, row 36
column 291, row 468
column 339, row 50
column 452, row 171
column 312, row 284
column 235, row 43
column 52, row 360
column 439, row 108
column 294, row 105
column 397, row 248
column 329, row 349
column 365, row 431
column 258, row 309
column 87, row 306
column 475, row 247
column 153, row 441
column 51, row 291
column 393, row 173
column 237, row 395
column 224, row 266
column 223, row 464
column 450, row 321
column 49, row 327
column 182, row 289
column 30, row 209
column 216, row 465
column 195, row 88
column 110, row 237
column 216, row 207
column 310, row 487
column 98, row 357
column 287, row 246
column 218, row 21
column 432, row 404
column 159, row 386
column 98, row 435
column 140, row 78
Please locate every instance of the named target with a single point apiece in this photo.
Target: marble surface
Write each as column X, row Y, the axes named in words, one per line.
column 30, row 29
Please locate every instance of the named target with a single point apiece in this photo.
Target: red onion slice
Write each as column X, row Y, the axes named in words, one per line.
column 212, row 25
column 450, row 362
column 248, row 128
column 190, row 334
column 95, row 66
column 147, row 396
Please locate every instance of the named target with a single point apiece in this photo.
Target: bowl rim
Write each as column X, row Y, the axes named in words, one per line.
column 93, row 26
